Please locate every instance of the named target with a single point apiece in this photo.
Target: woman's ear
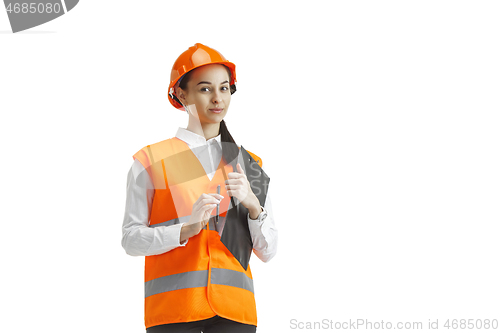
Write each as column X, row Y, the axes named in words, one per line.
column 181, row 95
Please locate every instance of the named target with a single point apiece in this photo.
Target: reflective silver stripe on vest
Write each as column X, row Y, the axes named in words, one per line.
column 228, row 277
column 163, row 284
column 195, row 279
column 177, row 220
column 184, row 219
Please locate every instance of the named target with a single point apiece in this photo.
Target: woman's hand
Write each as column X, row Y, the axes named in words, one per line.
column 200, row 215
column 238, row 186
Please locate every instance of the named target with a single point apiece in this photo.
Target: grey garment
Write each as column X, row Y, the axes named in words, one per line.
column 236, row 234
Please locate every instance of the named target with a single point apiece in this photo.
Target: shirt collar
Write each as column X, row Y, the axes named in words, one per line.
column 195, row 140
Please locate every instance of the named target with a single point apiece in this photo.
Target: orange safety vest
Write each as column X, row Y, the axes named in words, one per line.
column 202, row 279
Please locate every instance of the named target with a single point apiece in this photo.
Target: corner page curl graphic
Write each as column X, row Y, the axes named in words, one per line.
column 26, row 14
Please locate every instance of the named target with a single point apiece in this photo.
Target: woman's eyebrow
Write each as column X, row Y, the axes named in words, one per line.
column 206, row 82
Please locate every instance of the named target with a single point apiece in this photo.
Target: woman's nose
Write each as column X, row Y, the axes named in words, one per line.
column 216, row 98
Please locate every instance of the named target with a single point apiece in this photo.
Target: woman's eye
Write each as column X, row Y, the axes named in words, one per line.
column 224, row 88
column 204, row 89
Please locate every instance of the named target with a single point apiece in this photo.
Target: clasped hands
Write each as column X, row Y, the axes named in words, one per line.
column 238, row 186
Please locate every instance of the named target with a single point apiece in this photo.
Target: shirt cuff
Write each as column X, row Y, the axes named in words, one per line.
column 256, row 221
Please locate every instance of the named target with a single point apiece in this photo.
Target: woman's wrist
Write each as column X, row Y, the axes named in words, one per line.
column 183, row 235
column 187, row 231
column 254, row 211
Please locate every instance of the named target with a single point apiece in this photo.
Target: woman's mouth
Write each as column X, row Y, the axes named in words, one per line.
column 216, row 110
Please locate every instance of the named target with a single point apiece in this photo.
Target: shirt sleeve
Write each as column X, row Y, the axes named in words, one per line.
column 264, row 234
column 138, row 238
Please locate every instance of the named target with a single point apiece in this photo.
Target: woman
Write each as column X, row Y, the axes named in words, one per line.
column 195, row 279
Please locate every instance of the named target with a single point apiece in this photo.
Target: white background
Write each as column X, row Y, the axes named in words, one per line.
column 377, row 121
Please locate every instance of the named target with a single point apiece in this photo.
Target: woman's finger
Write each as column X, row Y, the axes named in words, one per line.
column 205, row 203
column 234, row 181
column 209, row 206
column 215, row 195
column 210, row 201
column 206, row 196
column 235, row 175
column 240, row 169
column 212, row 195
column 234, row 187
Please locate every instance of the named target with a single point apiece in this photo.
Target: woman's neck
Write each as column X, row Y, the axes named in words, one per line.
column 208, row 131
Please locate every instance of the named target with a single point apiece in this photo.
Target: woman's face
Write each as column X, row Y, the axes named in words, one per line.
column 209, row 90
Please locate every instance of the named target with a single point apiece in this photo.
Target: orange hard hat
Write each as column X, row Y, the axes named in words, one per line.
column 196, row 56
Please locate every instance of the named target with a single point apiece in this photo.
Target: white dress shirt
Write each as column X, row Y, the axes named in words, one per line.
column 138, row 239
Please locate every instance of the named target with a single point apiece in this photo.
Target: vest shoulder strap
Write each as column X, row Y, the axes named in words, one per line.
column 155, row 152
column 151, row 157
column 255, row 157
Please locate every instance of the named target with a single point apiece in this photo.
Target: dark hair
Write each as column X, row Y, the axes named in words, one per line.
column 229, row 148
